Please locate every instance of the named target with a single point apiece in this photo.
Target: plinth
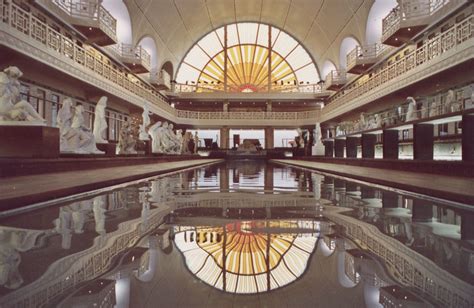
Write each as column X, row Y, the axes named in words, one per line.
column 29, row 141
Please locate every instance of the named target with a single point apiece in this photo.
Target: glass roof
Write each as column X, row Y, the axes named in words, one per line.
column 247, row 57
column 244, row 257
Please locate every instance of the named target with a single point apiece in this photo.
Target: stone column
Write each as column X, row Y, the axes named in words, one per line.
column 423, row 142
column 269, row 138
column 268, row 178
column 339, row 145
column 368, row 145
column 329, row 148
column 351, row 146
column 468, row 137
column 224, row 138
column 422, row 211
column 467, row 225
column 390, row 144
column 223, row 178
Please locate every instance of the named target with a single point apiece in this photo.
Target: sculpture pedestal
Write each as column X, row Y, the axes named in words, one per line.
column 317, row 149
column 29, row 141
column 144, row 147
column 108, row 148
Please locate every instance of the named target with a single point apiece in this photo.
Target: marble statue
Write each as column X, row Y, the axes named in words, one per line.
column 74, row 138
column 412, row 112
column 434, row 107
column 179, row 139
column 362, row 122
column 100, row 124
column 424, row 109
column 12, row 107
column 188, row 136
column 84, row 139
column 156, row 133
column 196, row 142
column 126, row 144
column 452, row 105
column 318, row 147
column 175, row 143
column 145, row 123
column 299, row 138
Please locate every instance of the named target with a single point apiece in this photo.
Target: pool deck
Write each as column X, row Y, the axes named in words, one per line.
column 28, row 189
column 455, row 188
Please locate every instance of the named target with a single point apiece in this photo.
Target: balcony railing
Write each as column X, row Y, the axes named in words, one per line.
column 411, row 11
column 335, row 79
column 26, row 23
column 132, row 56
column 262, row 115
column 161, row 79
column 365, row 55
column 430, row 50
column 302, row 88
column 90, row 10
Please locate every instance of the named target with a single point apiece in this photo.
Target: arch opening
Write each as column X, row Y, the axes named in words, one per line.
column 379, row 10
column 119, row 10
column 347, row 45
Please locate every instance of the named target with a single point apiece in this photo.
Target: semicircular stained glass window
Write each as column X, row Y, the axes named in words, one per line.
column 241, row 258
column 247, row 57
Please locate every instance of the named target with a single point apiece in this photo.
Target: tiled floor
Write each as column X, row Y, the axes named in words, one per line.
column 23, row 190
column 451, row 187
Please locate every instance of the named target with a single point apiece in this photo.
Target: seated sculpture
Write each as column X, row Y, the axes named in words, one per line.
column 12, row 107
column 74, row 136
column 126, row 144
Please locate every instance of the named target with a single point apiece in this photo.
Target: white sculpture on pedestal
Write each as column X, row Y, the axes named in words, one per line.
column 179, row 139
column 452, row 105
column 185, row 143
column 412, row 112
column 83, row 140
column 434, row 107
column 145, row 122
column 156, row 133
column 100, row 124
column 196, row 142
column 12, row 108
column 126, row 144
column 318, row 147
column 74, row 136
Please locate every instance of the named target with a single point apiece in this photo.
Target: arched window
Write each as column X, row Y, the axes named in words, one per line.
column 379, row 10
column 149, row 45
column 347, row 45
column 247, row 57
column 328, row 66
column 119, row 10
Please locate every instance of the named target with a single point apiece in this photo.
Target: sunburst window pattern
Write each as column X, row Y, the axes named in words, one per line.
column 242, row 258
column 248, row 57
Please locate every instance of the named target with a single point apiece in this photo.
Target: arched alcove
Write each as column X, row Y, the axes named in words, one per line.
column 168, row 67
column 378, row 11
column 119, row 10
column 347, row 44
column 148, row 43
column 328, row 66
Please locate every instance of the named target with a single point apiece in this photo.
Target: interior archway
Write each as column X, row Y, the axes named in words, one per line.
column 377, row 13
column 347, row 44
column 119, row 10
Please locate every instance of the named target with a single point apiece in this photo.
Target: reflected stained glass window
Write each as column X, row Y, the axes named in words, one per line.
column 247, row 57
column 243, row 257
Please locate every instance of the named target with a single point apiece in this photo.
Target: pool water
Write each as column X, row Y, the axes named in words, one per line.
column 240, row 233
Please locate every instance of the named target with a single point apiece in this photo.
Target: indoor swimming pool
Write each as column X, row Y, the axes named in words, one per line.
column 239, row 233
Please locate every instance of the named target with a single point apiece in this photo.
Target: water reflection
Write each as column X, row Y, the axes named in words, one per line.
column 241, row 228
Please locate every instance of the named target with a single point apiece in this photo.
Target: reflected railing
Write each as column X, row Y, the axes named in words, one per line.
column 433, row 48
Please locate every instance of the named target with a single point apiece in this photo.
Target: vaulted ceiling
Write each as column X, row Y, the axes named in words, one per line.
column 320, row 25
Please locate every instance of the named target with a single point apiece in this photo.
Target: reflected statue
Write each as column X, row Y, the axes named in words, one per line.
column 145, row 123
column 126, row 144
column 100, row 124
column 98, row 207
column 412, row 112
column 74, row 136
column 12, row 107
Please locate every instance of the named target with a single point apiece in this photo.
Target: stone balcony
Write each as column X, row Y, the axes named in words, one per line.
column 89, row 17
column 335, row 80
column 136, row 58
column 160, row 79
column 410, row 17
column 361, row 58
